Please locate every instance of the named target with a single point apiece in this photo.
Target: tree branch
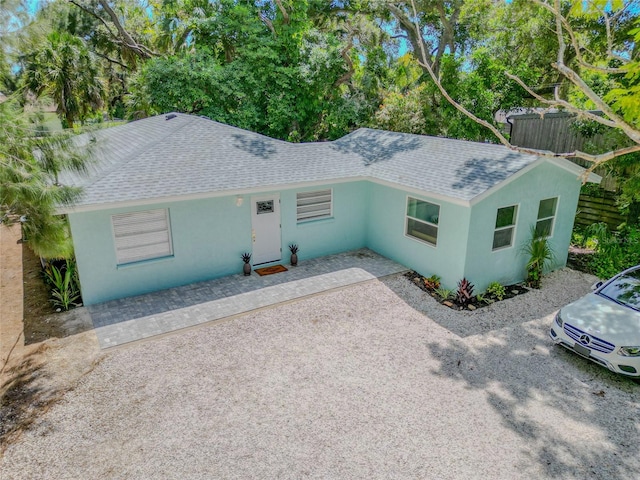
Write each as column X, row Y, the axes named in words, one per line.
column 183, row 38
column 574, row 78
column 95, row 15
column 612, row 121
column 415, row 36
column 578, row 48
column 557, row 102
column 344, row 53
column 141, row 50
column 112, row 60
column 284, row 12
column 268, row 23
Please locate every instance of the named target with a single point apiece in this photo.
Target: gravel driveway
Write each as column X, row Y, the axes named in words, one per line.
column 372, row 381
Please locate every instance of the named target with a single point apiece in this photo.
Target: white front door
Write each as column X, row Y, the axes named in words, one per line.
column 265, row 224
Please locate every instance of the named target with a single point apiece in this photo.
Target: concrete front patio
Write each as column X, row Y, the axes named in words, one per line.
column 136, row 318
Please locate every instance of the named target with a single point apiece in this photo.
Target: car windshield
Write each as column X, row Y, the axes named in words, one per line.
column 624, row 290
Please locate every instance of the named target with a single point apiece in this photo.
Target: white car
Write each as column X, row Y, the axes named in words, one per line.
column 604, row 326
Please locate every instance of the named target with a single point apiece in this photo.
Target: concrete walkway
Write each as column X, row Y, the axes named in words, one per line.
column 136, row 318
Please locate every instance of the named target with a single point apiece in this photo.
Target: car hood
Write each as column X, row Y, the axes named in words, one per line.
column 605, row 319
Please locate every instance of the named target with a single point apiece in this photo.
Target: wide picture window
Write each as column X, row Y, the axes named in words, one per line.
column 142, row 236
column 422, row 220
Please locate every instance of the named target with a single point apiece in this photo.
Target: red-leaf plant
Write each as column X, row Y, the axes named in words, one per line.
column 465, row 292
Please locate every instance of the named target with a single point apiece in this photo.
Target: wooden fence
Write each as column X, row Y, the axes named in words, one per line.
column 554, row 132
column 595, row 209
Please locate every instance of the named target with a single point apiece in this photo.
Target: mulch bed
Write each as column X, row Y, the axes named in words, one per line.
column 38, row 308
column 510, row 292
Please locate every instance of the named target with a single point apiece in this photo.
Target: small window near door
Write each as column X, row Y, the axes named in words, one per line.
column 314, row 205
column 264, row 207
column 505, row 227
column 142, row 235
column 546, row 217
column 422, row 220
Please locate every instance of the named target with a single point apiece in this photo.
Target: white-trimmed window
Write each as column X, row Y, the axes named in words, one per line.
column 142, row 235
column 505, row 227
column 422, row 220
column 314, row 205
column 546, row 217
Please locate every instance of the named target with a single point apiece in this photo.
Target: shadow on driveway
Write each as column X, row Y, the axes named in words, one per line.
column 505, row 352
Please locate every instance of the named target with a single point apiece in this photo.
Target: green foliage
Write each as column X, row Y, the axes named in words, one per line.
column 444, row 293
column 309, row 70
column 480, row 298
column 615, row 251
column 63, row 68
column 257, row 70
column 65, row 287
column 403, row 112
column 29, row 188
column 496, row 289
column 581, row 238
column 432, row 282
column 540, row 254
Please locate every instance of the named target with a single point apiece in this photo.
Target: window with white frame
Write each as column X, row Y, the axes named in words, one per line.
column 422, row 220
column 546, row 217
column 314, row 205
column 142, row 235
column 505, row 227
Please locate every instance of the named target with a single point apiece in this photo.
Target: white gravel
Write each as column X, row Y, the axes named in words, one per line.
column 356, row 383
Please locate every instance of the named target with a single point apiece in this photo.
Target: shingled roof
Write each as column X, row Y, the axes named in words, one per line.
column 178, row 155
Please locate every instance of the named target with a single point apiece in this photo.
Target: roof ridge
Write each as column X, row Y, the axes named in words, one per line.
column 432, row 137
column 243, row 130
column 136, row 153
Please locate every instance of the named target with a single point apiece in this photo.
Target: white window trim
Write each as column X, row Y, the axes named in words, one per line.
column 407, row 217
column 128, row 263
column 514, row 226
column 315, row 219
column 555, row 215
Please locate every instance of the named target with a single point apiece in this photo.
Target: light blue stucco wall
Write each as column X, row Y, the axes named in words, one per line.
column 208, row 237
column 507, row 265
column 210, row 234
column 386, row 234
column 346, row 230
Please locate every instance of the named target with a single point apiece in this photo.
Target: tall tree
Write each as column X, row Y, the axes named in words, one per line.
column 592, row 37
column 13, row 17
column 264, row 66
column 29, row 192
column 63, row 68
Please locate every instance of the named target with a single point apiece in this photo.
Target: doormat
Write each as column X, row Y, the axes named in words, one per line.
column 270, row 270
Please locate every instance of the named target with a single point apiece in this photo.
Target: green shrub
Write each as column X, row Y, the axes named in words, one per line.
column 615, row 251
column 578, row 237
column 482, row 299
column 432, row 282
column 65, row 291
column 443, row 293
column 582, row 238
column 540, row 254
column 497, row 290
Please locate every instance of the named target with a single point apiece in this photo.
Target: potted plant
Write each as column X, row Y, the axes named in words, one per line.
column 294, row 254
column 246, row 269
